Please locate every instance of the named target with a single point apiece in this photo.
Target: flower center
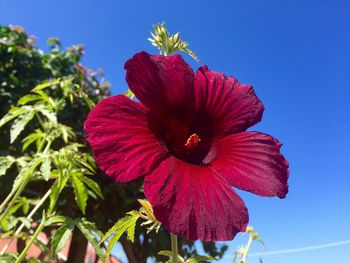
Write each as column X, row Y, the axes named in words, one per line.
column 187, row 140
column 192, row 142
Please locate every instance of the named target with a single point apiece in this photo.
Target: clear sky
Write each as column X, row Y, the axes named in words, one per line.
column 297, row 56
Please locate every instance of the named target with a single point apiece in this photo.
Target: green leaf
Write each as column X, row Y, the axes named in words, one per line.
column 13, row 113
column 49, row 114
column 92, row 185
column 46, row 167
column 129, row 94
column 67, row 132
column 44, row 97
column 80, row 191
column 87, row 228
column 61, row 236
column 46, row 84
column 56, row 189
column 195, row 259
column 8, row 257
column 5, row 163
column 25, row 221
column 126, row 224
column 19, row 124
column 37, row 135
column 52, row 220
column 24, row 173
column 28, row 98
column 25, row 205
column 88, row 101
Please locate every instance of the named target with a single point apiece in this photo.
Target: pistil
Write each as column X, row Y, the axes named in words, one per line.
column 192, row 142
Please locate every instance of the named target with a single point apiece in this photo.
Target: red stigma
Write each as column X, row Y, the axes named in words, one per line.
column 192, row 141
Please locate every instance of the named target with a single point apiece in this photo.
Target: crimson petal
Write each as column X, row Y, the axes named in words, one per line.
column 161, row 83
column 123, row 146
column 252, row 161
column 233, row 107
column 195, row 202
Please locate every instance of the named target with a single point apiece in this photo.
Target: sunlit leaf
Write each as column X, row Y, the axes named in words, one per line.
column 61, row 236
column 47, row 84
column 28, row 98
column 36, row 136
column 49, row 114
column 92, row 185
column 80, row 191
column 46, row 167
column 5, row 163
column 88, row 229
column 126, row 224
column 56, row 189
column 53, row 220
column 13, row 113
column 19, row 124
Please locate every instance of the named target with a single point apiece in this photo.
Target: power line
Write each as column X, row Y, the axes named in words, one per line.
column 301, row 249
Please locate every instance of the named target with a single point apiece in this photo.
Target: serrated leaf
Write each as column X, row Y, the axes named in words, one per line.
column 56, row 189
column 37, row 135
column 92, row 185
column 126, row 224
column 22, row 161
column 80, row 191
column 13, row 113
column 45, row 168
column 61, row 236
column 87, row 228
column 49, row 114
column 67, row 132
column 24, row 173
column 19, row 124
column 43, row 95
column 122, row 224
column 46, row 84
column 5, row 163
column 52, row 220
column 28, row 98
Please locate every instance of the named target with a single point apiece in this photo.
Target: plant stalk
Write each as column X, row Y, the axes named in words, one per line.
column 37, row 206
column 246, row 250
column 14, row 197
column 174, row 248
column 31, row 241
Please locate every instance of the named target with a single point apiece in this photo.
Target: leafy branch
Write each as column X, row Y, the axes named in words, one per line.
column 42, row 161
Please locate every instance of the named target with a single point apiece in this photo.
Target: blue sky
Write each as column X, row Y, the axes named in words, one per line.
column 297, row 56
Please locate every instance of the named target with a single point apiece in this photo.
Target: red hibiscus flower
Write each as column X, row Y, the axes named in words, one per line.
column 187, row 136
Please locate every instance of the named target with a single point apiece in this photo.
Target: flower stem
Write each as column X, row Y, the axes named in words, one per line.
column 246, row 249
column 174, row 248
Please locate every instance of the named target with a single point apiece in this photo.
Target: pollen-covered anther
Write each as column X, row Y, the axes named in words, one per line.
column 192, row 141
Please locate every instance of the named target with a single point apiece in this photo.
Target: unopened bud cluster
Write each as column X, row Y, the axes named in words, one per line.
column 166, row 44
